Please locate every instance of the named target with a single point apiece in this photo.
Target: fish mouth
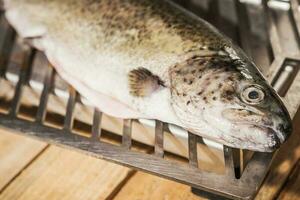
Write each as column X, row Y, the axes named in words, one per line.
column 259, row 132
column 279, row 133
column 259, row 138
column 276, row 138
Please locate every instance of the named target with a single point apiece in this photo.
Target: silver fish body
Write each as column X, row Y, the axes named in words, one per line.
column 151, row 59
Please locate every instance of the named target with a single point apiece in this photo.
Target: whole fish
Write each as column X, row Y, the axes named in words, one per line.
column 152, row 59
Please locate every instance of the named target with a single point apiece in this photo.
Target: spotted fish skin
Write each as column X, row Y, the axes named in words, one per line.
column 152, row 59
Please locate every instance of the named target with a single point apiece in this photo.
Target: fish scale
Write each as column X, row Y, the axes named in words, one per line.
column 152, row 59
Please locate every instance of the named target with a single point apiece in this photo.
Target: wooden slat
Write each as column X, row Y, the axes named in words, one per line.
column 146, row 186
column 15, row 154
column 63, row 174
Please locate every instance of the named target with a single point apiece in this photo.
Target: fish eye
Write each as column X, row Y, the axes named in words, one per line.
column 253, row 94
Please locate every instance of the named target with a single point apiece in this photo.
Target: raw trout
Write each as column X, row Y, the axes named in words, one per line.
column 152, row 59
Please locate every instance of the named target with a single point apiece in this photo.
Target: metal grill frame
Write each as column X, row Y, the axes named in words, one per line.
column 225, row 185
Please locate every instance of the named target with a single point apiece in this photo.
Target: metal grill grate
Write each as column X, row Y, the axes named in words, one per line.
column 272, row 43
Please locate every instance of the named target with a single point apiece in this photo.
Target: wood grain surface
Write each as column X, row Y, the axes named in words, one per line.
column 16, row 152
column 292, row 189
column 63, row 174
column 148, row 187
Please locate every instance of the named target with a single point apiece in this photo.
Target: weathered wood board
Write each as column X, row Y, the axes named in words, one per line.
column 63, row 174
column 148, row 187
column 291, row 190
column 16, row 152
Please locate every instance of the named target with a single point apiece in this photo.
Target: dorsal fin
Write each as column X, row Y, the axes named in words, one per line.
column 143, row 82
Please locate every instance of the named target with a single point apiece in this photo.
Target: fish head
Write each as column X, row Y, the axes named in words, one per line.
column 228, row 100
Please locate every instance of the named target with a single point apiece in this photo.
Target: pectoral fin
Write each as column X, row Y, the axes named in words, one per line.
column 143, row 82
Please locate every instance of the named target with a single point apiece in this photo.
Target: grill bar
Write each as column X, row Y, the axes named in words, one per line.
column 244, row 27
column 296, row 14
column 127, row 129
column 48, row 86
column 159, row 138
column 229, row 165
column 96, row 127
column 193, row 155
column 69, row 119
column 28, row 57
column 165, row 168
column 6, row 49
column 273, row 34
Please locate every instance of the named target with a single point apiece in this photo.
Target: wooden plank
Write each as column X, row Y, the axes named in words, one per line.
column 15, row 153
column 146, row 186
column 291, row 190
column 63, row 174
column 282, row 165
